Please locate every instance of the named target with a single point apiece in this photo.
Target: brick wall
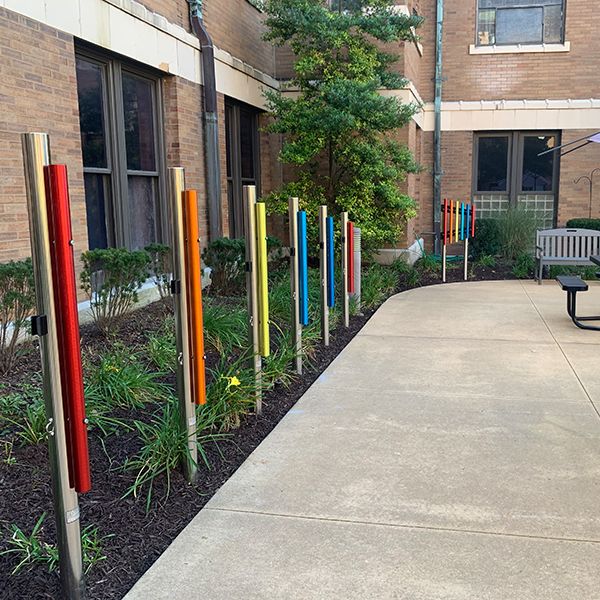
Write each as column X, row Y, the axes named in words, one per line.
column 184, row 139
column 237, row 27
column 515, row 76
column 175, row 11
column 37, row 93
column 574, row 199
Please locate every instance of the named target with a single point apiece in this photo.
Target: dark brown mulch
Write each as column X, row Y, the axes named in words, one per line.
column 137, row 538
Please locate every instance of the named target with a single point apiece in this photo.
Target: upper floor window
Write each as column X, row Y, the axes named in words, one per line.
column 119, row 114
column 506, row 22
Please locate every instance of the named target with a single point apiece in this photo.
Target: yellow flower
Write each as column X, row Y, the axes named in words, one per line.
column 234, row 381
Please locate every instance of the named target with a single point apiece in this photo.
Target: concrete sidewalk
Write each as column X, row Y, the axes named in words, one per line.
column 451, row 451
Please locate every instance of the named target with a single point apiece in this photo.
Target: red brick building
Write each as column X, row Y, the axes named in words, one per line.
column 120, row 85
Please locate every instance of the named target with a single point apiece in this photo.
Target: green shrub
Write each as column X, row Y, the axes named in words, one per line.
column 161, row 266
column 23, row 414
column 487, row 240
column 517, row 228
column 17, row 301
column 586, row 273
column 584, row 223
column 111, row 278
column 226, row 258
column 524, row 266
column 162, row 349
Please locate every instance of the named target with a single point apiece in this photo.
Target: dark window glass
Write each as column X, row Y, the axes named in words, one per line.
column 247, row 150
column 142, row 211
column 537, row 175
column 519, row 26
column 96, row 203
column 553, row 21
column 492, row 164
column 138, row 111
column 90, row 92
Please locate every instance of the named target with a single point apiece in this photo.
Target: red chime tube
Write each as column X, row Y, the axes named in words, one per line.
column 67, row 325
column 472, row 219
column 350, row 246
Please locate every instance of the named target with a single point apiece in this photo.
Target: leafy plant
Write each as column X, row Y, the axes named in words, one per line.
column 164, row 447
column 486, row 260
column 487, row 240
column 121, row 380
column 17, row 301
column 225, row 327
column 111, row 278
column 32, row 549
column 337, row 130
column 586, row 273
column 23, row 414
column 427, row 264
column 584, row 223
column 162, row 349
column 377, row 284
column 161, row 267
column 524, row 266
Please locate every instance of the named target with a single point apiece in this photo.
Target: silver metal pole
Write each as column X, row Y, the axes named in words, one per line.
column 36, row 154
column 357, row 267
column 466, row 257
column 187, row 408
column 323, row 265
column 295, row 283
column 346, row 303
column 444, row 256
column 249, row 195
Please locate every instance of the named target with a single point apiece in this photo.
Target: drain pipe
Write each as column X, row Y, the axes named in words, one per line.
column 210, row 120
column 437, row 132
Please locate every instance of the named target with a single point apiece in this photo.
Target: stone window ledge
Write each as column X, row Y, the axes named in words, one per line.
column 520, row 48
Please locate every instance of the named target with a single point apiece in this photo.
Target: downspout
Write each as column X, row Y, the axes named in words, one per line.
column 210, row 120
column 437, row 132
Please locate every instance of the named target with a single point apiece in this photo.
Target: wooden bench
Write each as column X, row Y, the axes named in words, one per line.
column 567, row 247
column 572, row 284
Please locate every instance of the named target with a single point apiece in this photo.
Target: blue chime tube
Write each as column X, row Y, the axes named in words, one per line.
column 303, row 267
column 330, row 264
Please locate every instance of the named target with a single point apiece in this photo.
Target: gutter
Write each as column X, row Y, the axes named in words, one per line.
column 210, row 121
column 437, row 131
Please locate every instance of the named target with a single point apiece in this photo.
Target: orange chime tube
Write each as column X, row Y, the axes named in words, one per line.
column 194, row 295
column 67, row 326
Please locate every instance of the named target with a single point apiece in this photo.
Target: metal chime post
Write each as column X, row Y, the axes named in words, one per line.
column 179, row 284
column 346, row 302
column 323, row 266
column 249, row 196
column 295, row 283
column 36, row 155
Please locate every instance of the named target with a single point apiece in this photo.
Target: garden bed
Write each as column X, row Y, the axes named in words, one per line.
column 129, row 534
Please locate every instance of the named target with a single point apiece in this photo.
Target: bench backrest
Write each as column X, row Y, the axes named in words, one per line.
column 568, row 243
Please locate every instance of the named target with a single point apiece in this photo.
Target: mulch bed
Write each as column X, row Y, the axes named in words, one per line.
column 139, row 538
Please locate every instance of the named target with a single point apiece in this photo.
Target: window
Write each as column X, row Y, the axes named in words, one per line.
column 241, row 125
column 506, row 22
column 508, row 171
column 119, row 111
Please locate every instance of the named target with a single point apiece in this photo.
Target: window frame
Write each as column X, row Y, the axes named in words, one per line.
column 515, row 163
column 233, row 155
column 119, row 224
column 525, row 4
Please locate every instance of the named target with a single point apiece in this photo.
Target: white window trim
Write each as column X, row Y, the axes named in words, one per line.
column 519, row 48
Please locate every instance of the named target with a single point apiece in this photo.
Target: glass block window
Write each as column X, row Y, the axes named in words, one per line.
column 520, row 22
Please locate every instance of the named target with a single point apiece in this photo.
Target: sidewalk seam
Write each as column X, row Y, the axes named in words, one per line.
column 405, row 526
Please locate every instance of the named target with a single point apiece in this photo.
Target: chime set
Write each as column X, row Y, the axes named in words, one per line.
column 458, row 225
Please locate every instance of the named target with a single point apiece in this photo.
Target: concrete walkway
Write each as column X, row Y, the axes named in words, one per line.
column 451, row 451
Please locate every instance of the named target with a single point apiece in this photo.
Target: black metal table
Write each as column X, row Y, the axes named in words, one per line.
column 572, row 285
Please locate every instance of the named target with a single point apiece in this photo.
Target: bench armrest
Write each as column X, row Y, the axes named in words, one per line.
column 539, row 252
